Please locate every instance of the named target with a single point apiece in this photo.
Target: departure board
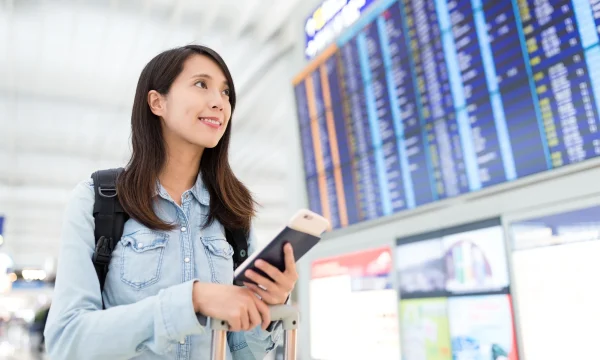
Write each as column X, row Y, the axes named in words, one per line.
column 423, row 100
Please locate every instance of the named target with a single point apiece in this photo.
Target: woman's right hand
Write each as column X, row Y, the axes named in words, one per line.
column 240, row 307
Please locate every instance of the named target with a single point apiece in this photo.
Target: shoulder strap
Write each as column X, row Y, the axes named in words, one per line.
column 109, row 219
column 238, row 239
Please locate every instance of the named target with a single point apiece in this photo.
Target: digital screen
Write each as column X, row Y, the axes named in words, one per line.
column 422, row 100
column 354, row 293
column 454, row 292
column 555, row 262
column 476, row 261
column 465, row 260
column 421, row 268
column 481, row 327
column 425, row 329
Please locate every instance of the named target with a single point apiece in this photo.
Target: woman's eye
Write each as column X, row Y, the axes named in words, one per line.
column 226, row 92
column 201, row 84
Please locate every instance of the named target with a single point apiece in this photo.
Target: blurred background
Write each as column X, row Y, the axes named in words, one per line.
column 68, row 71
column 452, row 144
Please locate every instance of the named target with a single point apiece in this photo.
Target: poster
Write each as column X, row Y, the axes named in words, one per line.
column 352, row 301
column 421, row 268
column 481, row 328
column 476, row 261
column 425, row 329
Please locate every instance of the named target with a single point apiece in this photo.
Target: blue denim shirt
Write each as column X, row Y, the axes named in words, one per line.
column 148, row 291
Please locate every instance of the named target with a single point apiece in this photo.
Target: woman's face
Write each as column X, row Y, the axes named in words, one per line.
column 196, row 109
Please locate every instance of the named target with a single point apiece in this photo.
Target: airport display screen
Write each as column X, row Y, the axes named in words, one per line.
column 454, row 294
column 353, row 301
column 555, row 266
column 422, row 100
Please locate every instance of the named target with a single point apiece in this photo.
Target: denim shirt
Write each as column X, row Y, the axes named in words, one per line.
column 148, row 291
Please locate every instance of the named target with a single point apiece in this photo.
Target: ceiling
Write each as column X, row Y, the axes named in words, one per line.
column 68, row 71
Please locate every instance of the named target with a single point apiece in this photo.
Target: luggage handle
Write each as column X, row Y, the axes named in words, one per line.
column 287, row 314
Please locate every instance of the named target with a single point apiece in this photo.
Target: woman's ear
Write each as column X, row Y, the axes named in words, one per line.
column 156, row 102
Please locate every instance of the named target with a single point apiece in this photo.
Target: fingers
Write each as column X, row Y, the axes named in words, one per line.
column 272, row 296
column 265, row 314
column 289, row 276
column 235, row 323
column 244, row 318
column 254, row 314
column 240, row 316
column 261, row 280
column 277, row 290
column 290, row 261
column 270, row 270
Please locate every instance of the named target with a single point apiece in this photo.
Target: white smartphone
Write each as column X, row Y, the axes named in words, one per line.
column 303, row 232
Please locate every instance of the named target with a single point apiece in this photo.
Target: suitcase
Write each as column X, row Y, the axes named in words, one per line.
column 286, row 313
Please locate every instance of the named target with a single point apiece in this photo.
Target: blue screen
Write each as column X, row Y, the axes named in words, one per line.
column 424, row 100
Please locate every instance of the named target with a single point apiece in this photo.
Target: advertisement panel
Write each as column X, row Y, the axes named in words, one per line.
column 555, row 266
column 352, row 301
column 481, row 328
column 421, row 269
column 476, row 261
column 425, row 329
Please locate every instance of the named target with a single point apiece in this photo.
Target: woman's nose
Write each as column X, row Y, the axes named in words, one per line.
column 216, row 102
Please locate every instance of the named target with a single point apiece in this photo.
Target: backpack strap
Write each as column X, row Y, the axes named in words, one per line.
column 238, row 239
column 109, row 220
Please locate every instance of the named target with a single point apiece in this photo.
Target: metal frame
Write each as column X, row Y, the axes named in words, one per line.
column 287, row 314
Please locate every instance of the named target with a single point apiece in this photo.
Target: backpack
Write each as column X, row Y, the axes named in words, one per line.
column 110, row 218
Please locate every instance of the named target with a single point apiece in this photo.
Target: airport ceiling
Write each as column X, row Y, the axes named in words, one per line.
column 68, row 71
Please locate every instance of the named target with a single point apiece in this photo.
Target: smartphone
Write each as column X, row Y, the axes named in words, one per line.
column 303, row 231
column 309, row 222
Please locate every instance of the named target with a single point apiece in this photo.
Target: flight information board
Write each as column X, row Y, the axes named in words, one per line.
column 423, row 100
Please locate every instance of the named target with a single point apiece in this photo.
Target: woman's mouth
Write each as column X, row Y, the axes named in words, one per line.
column 211, row 121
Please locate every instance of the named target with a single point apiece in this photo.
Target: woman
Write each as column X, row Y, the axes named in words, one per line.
column 173, row 266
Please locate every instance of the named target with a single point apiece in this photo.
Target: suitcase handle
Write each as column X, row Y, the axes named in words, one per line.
column 287, row 314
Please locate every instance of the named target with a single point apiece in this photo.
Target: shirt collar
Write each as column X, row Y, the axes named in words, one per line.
column 199, row 191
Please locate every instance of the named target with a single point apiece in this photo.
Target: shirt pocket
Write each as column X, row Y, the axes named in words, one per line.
column 220, row 258
column 141, row 258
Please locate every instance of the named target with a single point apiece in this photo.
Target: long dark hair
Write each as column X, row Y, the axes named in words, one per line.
column 230, row 201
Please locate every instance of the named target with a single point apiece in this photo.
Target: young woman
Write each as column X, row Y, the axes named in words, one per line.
column 173, row 266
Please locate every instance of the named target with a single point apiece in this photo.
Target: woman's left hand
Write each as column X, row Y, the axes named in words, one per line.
column 274, row 292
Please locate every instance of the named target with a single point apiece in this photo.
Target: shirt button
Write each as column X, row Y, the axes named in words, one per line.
column 140, row 245
column 187, row 259
column 182, row 342
column 183, row 229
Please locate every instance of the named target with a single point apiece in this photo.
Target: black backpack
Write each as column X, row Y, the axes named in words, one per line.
column 110, row 218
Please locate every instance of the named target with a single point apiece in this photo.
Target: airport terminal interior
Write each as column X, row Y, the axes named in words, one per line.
column 452, row 145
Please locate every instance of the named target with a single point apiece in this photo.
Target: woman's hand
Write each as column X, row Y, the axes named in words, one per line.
column 274, row 292
column 239, row 306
